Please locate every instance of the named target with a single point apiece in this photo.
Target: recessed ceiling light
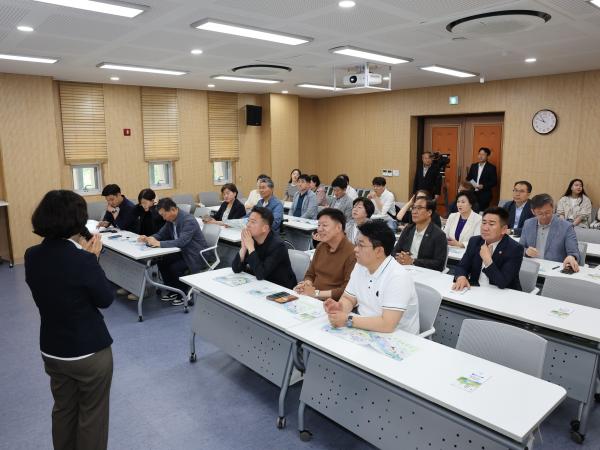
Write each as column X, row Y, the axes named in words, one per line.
column 211, row 85
column 347, row 4
column 245, row 79
column 318, row 86
column 139, row 69
column 28, row 59
column 249, row 32
column 114, row 78
column 284, row 92
column 115, row 8
column 596, row 3
column 25, row 28
column 449, row 71
column 196, row 51
column 531, row 60
column 369, row 55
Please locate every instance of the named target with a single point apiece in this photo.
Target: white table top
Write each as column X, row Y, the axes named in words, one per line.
column 230, row 234
column 287, row 205
column 256, row 306
column 3, row 203
column 125, row 242
column 299, row 223
column 535, row 309
column 593, row 250
column 510, row 402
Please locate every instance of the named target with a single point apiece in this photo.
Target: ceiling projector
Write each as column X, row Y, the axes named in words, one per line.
column 359, row 79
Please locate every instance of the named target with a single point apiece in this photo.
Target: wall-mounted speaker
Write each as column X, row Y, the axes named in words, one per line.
column 253, row 115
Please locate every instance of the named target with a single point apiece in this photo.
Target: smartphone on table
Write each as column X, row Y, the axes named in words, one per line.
column 281, row 297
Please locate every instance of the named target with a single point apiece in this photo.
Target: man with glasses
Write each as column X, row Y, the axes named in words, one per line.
column 519, row 208
column 547, row 236
column 333, row 261
column 492, row 258
column 422, row 243
column 380, row 288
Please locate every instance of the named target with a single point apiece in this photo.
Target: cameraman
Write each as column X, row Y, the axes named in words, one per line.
column 428, row 176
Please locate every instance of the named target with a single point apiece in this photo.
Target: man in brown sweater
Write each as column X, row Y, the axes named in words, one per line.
column 333, row 261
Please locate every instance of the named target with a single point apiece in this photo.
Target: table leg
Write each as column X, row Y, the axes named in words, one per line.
column 193, row 347
column 289, row 367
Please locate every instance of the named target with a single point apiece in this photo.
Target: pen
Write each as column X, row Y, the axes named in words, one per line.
column 555, row 267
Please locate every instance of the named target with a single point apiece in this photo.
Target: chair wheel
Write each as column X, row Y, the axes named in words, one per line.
column 305, row 435
column 577, row 437
column 574, row 425
column 185, row 309
column 190, row 302
column 193, row 358
column 281, row 422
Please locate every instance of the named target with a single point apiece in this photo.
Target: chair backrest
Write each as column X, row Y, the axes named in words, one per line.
column 329, row 191
column 211, row 232
column 503, row 344
column 201, row 212
column 582, row 247
column 187, row 199
column 300, row 262
column 528, row 274
column 210, row 198
column 185, row 207
column 501, row 203
column 572, row 290
column 96, row 210
column 429, row 305
column 587, row 235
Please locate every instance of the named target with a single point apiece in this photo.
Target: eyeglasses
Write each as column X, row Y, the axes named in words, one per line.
column 520, row 191
column 362, row 246
column 418, row 208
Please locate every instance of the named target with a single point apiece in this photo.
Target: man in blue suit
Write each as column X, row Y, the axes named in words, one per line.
column 547, row 236
column 492, row 258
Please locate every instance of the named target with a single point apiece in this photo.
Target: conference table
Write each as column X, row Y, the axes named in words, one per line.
column 4, row 214
column 127, row 263
column 572, row 332
column 298, row 231
column 388, row 400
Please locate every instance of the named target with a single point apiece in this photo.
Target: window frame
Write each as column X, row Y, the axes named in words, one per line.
column 228, row 179
column 83, row 192
column 158, row 187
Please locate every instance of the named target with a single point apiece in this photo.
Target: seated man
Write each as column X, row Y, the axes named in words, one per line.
column 519, row 209
column 350, row 191
column 333, row 261
column 305, row 200
column 382, row 198
column 262, row 252
column 120, row 211
column 492, row 258
column 181, row 230
column 340, row 199
column 268, row 200
column 547, row 236
column 381, row 288
column 422, row 242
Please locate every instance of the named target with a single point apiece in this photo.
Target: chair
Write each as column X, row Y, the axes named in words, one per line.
column 289, row 245
column 211, row 233
column 572, row 290
column 587, row 235
column 501, row 203
column 300, row 262
column 185, row 207
column 96, row 210
column 187, row 199
column 429, row 305
column 503, row 344
column 201, row 212
column 210, row 198
column 528, row 275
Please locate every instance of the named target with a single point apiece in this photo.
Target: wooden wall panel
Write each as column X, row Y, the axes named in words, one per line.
column 284, row 139
column 251, row 148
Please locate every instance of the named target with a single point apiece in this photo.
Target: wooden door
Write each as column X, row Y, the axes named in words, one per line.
column 490, row 136
column 444, row 139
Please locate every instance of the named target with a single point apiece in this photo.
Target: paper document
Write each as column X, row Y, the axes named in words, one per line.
column 305, row 309
column 474, row 183
column 472, row 381
column 561, row 313
column 235, row 279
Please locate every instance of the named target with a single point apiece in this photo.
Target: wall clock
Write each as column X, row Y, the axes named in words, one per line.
column 544, row 121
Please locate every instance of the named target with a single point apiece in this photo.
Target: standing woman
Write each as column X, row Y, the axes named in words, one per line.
column 231, row 208
column 68, row 286
column 575, row 206
column 291, row 189
column 464, row 224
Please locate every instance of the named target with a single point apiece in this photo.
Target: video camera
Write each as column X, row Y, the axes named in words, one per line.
column 442, row 160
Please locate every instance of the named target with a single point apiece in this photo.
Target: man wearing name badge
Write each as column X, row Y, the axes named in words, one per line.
column 422, row 243
column 120, row 211
column 263, row 253
column 181, row 230
column 381, row 289
column 519, row 209
column 493, row 258
column 547, row 236
column 482, row 175
column 268, row 200
column 333, row 261
column 305, row 200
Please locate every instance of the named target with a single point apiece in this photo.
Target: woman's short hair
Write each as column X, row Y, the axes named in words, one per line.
column 469, row 196
column 60, row 214
column 367, row 204
column 146, row 194
column 230, row 187
column 315, row 179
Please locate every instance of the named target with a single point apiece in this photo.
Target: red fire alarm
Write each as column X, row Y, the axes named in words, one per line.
column 126, row 131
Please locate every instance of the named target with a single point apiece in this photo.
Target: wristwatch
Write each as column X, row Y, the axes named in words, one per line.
column 317, row 292
column 349, row 321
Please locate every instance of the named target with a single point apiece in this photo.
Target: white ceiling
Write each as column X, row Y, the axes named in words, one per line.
column 162, row 37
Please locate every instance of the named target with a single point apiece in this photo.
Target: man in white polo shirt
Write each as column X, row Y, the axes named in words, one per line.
column 381, row 288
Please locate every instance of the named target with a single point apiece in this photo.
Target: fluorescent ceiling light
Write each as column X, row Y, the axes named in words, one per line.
column 347, row 4
column 369, row 55
column 284, row 92
column 318, row 86
column 29, row 59
column 25, row 28
column 139, row 69
column 196, row 51
column 449, row 71
column 114, row 78
column 596, row 3
column 115, row 8
column 211, row 85
column 249, row 32
column 531, row 60
column 245, row 79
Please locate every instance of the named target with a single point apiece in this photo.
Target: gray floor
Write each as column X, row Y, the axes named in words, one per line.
column 161, row 401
